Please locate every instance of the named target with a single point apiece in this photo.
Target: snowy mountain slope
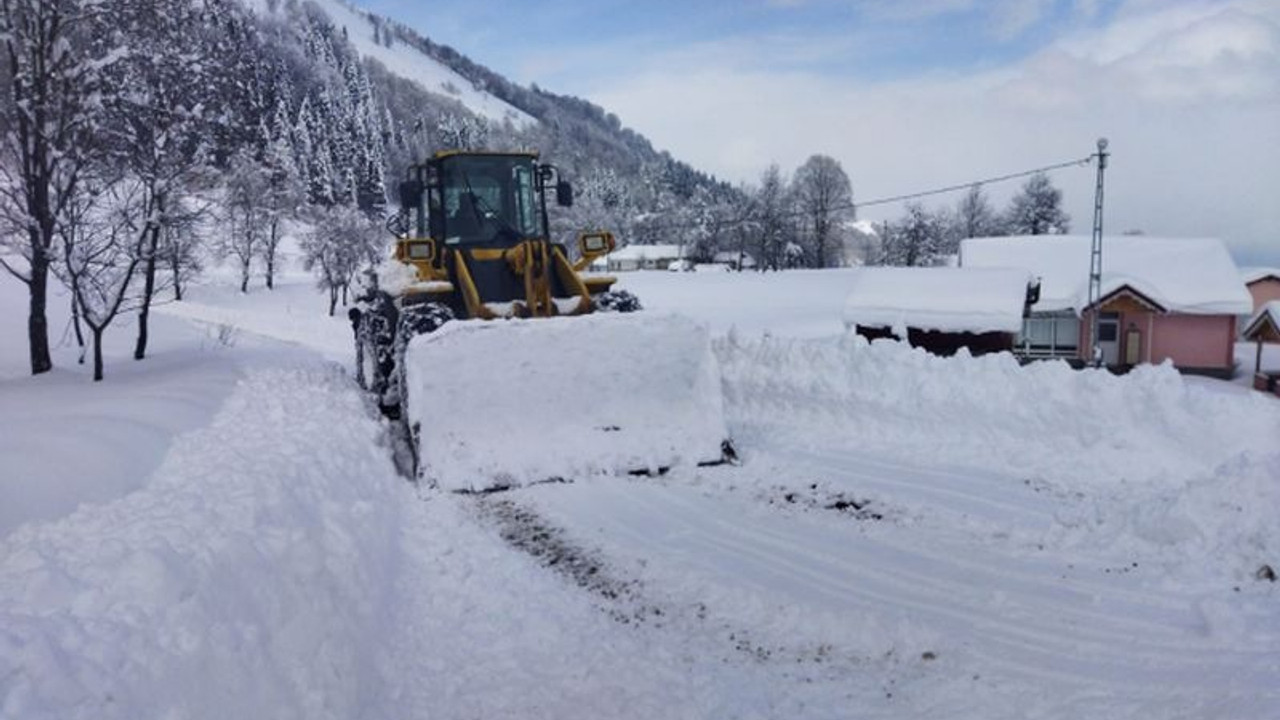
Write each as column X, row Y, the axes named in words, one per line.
column 410, row 63
column 907, row 537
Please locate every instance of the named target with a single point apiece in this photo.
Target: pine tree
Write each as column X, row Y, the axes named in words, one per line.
column 1037, row 209
column 915, row 240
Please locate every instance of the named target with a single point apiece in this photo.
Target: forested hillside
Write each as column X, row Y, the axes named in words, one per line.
column 143, row 138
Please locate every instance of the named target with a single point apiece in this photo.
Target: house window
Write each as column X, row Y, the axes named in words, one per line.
column 1050, row 335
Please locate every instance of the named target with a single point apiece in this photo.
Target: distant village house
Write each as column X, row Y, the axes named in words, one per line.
column 1176, row 299
column 940, row 309
column 1263, row 285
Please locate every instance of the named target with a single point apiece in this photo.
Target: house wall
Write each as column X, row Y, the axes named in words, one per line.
column 1194, row 341
column 1264, row 291
column 1132, row 317
column 1190, row 341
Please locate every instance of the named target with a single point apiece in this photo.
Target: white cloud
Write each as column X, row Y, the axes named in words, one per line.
column 1189, row 99
column 1011, row 18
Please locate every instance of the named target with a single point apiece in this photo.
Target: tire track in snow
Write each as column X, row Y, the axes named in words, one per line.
column 1081, row 646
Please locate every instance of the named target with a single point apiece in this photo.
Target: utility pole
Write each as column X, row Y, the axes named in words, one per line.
column 1095, row 258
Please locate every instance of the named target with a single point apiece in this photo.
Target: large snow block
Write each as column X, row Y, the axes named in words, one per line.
column 505, row 403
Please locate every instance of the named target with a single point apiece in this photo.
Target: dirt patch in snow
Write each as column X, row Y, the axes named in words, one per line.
column 527, row 531
column 812, row 496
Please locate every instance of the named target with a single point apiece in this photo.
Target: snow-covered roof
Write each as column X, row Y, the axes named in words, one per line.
column 866, row 227
column 1269, row 312
column 946, row 299
column 1186, row 275
column 731, row 256
column 1254, row 274
column 646, row 252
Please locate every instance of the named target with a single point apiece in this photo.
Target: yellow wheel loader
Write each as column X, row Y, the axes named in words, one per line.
column 473, row 338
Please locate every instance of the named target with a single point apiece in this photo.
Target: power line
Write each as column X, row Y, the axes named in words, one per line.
column 963, row 186
column 896, row 198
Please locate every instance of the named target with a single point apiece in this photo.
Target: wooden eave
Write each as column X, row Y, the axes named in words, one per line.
column 1128, row 292
column 1263, row 329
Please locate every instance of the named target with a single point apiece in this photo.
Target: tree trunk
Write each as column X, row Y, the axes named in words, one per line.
column 271, row 255
column 148, row 289
column 97, row 352
column 75, row 323
column 333, row 299
column 176, row 268
column 244, row 277
column 37, row 321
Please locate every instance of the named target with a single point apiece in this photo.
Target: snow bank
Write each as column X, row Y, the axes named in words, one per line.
column 1157, row 459
column 1087, row 428
column 504, row 403
column 247, row 579
column 975, row 300
column 110, row 436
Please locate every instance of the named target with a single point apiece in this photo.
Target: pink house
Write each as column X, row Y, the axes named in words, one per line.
column 1263, row 285
column 1176, row 299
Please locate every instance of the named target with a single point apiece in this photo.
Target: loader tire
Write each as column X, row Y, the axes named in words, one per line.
column 616, row 301
column 374, row 323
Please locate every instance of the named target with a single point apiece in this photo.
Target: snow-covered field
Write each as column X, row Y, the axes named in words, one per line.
column 219, row 531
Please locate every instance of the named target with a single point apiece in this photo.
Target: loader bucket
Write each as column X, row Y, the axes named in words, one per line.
column 506, row 403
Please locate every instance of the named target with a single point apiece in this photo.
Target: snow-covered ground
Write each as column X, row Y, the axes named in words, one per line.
column 218, row 531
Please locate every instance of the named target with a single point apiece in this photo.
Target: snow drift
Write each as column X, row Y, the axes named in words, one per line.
column 249, row 577
column 519, row 401
column 1150, row 458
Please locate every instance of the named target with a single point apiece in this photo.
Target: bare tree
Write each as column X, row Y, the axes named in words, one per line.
column 342, row 241
column 825, row 197
column 157, row 129
column 771, row 211
column 52, row 88
column 182, row 240
column 975, row 217
column 246, row 215
column 101, row 253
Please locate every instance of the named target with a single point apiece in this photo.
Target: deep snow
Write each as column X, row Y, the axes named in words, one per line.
column 907, row 536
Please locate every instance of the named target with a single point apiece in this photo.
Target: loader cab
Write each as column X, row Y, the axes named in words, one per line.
column 474, row 226
column 481, row 199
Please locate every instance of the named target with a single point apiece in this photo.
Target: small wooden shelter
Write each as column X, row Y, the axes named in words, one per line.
column 1264, row 327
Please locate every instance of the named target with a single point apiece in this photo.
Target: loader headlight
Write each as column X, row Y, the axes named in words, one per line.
column 421, row 251
column 595, row 243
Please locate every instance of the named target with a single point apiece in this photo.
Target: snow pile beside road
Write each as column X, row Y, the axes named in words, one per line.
column 514, row 402
column 1045, row 420
column 249, row 576
column 1150, row 457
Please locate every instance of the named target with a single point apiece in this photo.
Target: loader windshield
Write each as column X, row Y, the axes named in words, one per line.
column 489, row 199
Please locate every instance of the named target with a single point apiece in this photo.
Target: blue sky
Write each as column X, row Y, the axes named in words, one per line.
column 917, row 94
column 871, row 39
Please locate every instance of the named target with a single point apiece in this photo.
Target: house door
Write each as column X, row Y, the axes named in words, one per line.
column 1109, row 338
